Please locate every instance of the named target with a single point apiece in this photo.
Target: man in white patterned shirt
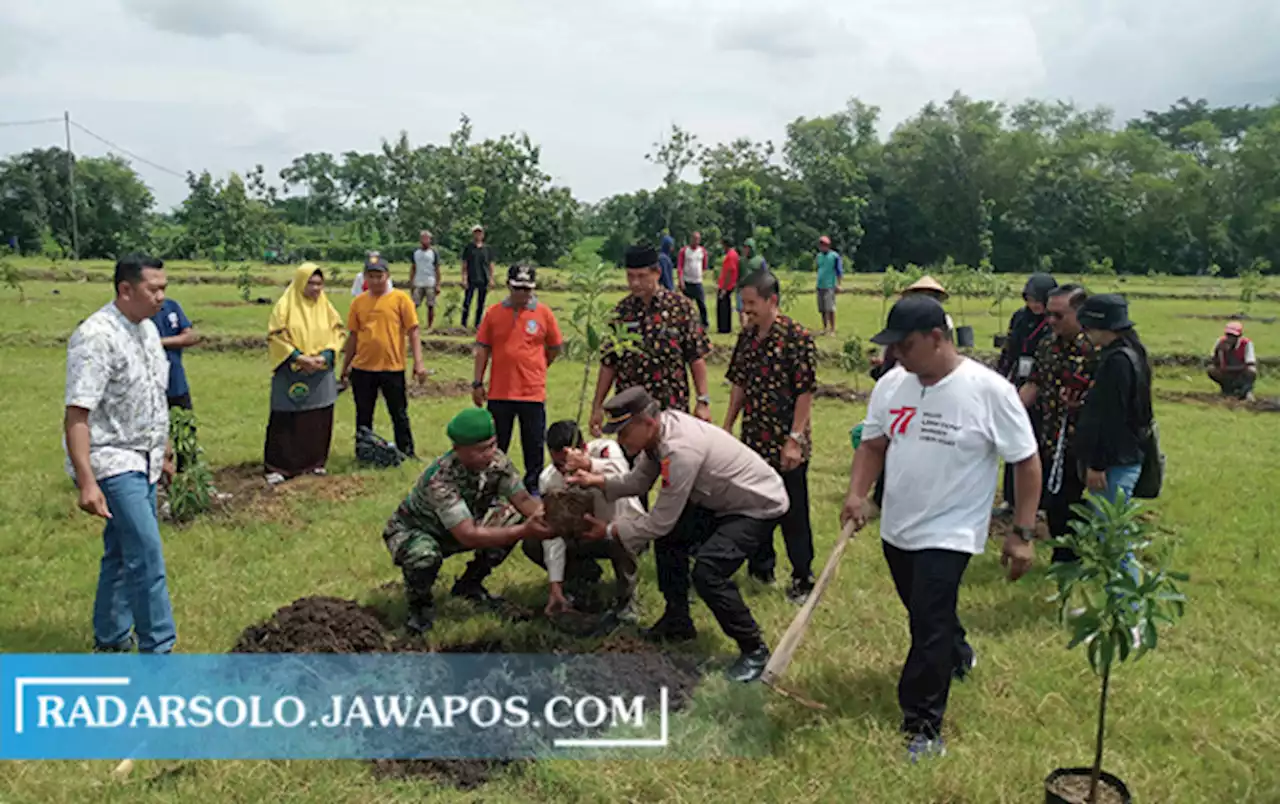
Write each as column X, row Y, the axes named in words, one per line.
column 116, row 439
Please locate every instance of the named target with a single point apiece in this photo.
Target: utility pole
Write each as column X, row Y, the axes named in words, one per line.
column 71, row 178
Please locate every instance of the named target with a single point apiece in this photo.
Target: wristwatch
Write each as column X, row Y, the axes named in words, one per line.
column 799, row 438
column 477, row 384
column 704, row 399
column 1024, row 533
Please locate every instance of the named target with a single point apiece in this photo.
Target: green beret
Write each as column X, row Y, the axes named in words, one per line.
column 471, row 426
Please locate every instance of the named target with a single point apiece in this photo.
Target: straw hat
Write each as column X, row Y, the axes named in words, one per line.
column 927, row 284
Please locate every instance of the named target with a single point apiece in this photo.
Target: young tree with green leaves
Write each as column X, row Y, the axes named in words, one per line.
column 1112, row 598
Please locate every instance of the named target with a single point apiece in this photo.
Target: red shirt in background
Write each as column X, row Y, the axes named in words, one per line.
column 729, row 270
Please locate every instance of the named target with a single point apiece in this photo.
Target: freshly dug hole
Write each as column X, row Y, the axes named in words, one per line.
column 565, row 510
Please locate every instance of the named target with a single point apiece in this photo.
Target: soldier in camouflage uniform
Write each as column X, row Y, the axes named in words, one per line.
column 472, row 483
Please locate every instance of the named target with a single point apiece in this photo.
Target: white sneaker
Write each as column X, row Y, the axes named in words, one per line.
column 320, row 472
column 275, row 479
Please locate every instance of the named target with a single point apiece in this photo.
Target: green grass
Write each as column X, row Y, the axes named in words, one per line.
column 1195, row 721
column 53, row 309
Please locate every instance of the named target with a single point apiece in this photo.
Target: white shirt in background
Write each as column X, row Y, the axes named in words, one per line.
column 945, row 445
column 606, row 459
column 695, row 259
column 424, row 261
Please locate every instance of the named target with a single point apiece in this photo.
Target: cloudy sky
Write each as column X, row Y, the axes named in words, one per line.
column 225, row 84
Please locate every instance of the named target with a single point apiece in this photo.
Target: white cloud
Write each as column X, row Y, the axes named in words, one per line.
column 196, row 84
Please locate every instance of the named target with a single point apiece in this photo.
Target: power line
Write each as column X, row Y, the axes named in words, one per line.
column 31, row 122
column 127, row 152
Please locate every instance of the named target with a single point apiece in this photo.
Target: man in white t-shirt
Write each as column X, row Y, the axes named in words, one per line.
column 577, row 558
column 938, row 425
column 693, row 261
column 424, row 275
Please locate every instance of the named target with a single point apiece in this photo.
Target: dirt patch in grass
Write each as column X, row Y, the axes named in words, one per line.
column 1233, row 317
column 244, row 488
column 335, row 625
column 841, row 392
column 464, row 774
column 1262, row 404
column 237, row 303
column 317, row 625
column 432, row 389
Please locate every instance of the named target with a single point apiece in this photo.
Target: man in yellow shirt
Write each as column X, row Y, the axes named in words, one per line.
column 380, row 319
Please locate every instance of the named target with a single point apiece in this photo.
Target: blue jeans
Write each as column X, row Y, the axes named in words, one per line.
column 1121, row 480
column 133, row 594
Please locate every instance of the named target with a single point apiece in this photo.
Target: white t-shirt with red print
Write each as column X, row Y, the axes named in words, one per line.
column 945, row 445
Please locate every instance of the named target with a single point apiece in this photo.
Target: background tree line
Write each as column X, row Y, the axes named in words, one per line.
column 1194, row 189
column 1190, row 190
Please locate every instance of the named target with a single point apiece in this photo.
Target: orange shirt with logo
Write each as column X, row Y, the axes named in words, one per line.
column 518, row 340
column 381, row 324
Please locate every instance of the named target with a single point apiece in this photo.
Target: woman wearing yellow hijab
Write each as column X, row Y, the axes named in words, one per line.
column 304, row 338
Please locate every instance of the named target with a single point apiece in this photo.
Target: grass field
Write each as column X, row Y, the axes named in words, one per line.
column 1197, row 721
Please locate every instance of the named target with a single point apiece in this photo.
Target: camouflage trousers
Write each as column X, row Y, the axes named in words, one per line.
column 420, row 554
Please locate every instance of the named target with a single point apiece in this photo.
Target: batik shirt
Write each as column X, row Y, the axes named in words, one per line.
column 117, row 370
column 1062, row 374
column 671, row 338
column 449, row 494
column 773, row 372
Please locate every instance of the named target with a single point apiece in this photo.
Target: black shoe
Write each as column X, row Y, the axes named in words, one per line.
column 671, row 629
column 477, row 594
column 799, row 591
column 968, row 661
column 749, row 666
column 420, row 622
column 765, row 578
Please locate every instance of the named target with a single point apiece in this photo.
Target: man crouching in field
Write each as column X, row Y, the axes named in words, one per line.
column 574, row 561
column 439, row 517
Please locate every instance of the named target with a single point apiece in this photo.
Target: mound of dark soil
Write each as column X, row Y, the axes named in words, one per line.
column 565, row 509
column 316, row 625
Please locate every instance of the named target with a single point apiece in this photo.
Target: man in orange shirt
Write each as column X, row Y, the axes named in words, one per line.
column 380, row 319
column 523, row 338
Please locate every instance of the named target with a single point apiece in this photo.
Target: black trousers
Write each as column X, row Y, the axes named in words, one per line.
column 797, row 534
column 695, row 291
column 1057, row 507
column 928, row 583
column 533, row 433
column 182, row 401
column 582, row 563
column 718, row 547
column 478, row 292
column 365, row 386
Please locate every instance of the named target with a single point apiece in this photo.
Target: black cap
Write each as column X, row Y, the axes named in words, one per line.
column 374, row 262
column 1038, row 287
column 522, row 276
column 1108, row 311
column 914, row 313
column 642, row 255
column 624, row 406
